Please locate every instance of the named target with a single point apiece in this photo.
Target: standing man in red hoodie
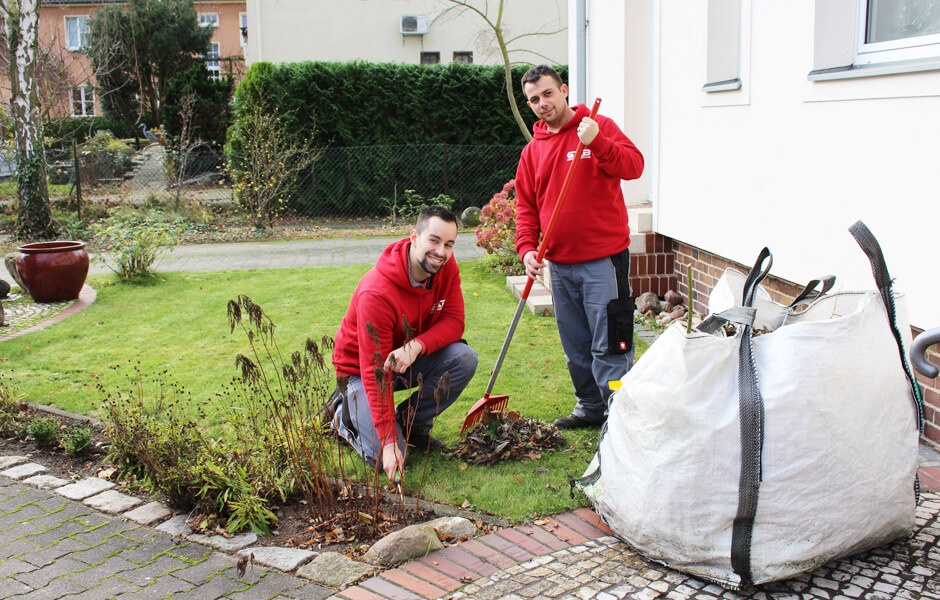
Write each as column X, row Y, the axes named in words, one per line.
column 405, row 320
column 588, row 250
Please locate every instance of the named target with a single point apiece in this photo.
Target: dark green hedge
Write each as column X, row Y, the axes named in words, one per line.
column 370, row 104
column 384, row 127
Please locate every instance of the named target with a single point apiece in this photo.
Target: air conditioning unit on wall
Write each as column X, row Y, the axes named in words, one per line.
column 413, row 24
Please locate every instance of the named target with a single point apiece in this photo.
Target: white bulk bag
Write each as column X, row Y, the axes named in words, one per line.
column 830, row 440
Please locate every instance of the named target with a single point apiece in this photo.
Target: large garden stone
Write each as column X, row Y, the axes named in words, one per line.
column 471, row 216
column 648, row 301
column 454, row 527
column 85, row 488
column 112, row 501
column 21, row 471
column 284, row 559
column 397, row 547
column 334, row 570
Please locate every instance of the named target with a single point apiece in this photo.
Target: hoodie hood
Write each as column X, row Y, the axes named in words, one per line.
column 540, row 129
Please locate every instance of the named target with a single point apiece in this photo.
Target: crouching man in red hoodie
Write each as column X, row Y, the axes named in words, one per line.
column 406, row 319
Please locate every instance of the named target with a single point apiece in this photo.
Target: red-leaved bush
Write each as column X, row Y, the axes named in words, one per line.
column 497, row 230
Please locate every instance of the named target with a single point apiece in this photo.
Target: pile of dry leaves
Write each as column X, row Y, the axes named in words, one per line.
column 506, row 437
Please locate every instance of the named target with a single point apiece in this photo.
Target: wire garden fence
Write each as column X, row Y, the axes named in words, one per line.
column 344, row 182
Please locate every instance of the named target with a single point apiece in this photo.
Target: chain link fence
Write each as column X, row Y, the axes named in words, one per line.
column 347, row 182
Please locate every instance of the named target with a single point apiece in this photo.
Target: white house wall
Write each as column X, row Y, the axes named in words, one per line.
column 785, row 162
column 298, row 30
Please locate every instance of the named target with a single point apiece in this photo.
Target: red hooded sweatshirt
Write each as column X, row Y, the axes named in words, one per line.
column 593, row 220
column 374, row 325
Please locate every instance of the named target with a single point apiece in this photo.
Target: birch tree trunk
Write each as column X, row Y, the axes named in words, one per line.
column 34, row 216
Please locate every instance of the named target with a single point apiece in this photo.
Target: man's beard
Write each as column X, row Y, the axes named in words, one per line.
column 429, row 268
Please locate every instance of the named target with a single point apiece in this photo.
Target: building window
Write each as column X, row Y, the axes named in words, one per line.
column 76, row 32
column 208, row 19
column 430, row 58
column 893, row 30
column 723, row 56
column 212, row 61
column 83, row 101
column 243, row 28
column 463, row 57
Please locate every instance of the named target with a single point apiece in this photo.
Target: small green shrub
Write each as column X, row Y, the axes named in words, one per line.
column 9, row 408
column 413, row 203
column 134, row 241
column 44, row 431
column 77, row 440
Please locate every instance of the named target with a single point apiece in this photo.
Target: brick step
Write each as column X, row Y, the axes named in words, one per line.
column 658, row 284
column 653, row 263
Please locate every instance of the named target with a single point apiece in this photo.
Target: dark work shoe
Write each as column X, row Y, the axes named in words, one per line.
column 575, row 422
column 426, row 442
column 329, row 408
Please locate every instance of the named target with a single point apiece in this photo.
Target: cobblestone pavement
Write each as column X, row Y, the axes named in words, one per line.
column 607, row 569
column 52, row 547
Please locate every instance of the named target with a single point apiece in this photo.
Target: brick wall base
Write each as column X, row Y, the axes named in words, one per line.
column 708, row 267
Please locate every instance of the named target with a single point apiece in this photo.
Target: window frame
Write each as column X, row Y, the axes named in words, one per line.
column 429, row 54
column 213, row 61
column 243, row 29
column 463, row 53
column 82, row 32
column 86, row 98
column 835, row 42
column 909, row 48
column 212, row 23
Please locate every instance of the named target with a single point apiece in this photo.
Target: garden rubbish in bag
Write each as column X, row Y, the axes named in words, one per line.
column 748, row 459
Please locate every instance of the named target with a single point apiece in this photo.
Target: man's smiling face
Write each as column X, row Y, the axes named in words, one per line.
column 431, row 247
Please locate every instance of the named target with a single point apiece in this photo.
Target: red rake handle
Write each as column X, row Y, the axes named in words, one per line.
column 561, row 200
column 539, row 255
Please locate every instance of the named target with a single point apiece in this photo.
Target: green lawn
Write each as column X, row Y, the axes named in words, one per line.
column 176, row 323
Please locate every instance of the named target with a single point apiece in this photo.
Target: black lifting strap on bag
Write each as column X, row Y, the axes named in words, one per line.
column 879, row 269
column 751, row 415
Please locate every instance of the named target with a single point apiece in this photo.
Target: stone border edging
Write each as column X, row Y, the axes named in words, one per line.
column 85, row 299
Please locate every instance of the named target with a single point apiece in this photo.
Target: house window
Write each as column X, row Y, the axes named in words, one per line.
column 430, row 58
column 723, row 57
column 463, row 57
column 212, row 61
column 243, row 27
column 83, row 101
column 893, row 30
column 208, row 19
column 76, row 32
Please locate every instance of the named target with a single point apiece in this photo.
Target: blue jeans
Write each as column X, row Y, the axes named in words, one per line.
column 415, row 415
column 582, row 294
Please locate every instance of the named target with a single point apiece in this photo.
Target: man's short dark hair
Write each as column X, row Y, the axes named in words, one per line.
column 438, row 211
column 533, row 75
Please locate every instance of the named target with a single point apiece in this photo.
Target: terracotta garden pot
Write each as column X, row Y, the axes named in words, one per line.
column 52, row 271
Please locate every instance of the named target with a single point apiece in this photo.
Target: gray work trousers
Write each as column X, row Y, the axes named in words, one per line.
column 415, row 415
column 582, row 294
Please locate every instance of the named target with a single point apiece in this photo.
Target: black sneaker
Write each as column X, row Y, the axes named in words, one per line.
column 575, row 422
column 426, row 442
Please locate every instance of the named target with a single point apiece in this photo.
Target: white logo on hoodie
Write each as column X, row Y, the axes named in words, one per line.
column 586, row 153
